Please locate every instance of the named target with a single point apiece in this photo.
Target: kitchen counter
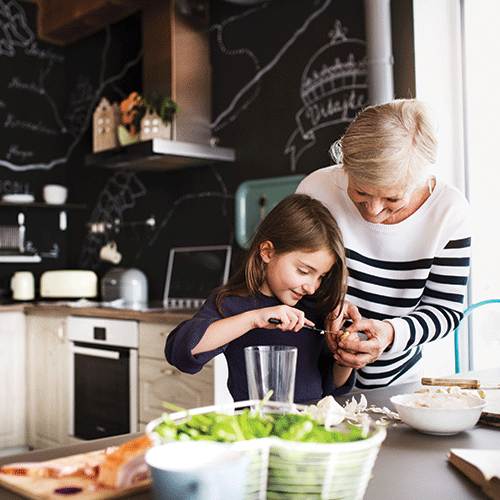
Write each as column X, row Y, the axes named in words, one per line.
column 410, row 465
column 67, row 308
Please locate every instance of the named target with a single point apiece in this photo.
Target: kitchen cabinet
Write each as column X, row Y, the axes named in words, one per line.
column 161, row 382
column 12, row 380
column 47, row 363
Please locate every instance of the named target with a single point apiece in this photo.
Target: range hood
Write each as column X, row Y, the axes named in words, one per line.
column 176, row 63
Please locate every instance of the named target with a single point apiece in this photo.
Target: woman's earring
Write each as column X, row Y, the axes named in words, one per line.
column 336, row 151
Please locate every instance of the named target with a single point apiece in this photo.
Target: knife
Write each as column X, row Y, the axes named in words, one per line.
column 459, row 382
column 276, row 321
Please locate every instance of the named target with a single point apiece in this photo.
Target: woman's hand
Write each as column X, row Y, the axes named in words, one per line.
column 291, row 319
column 359, row 353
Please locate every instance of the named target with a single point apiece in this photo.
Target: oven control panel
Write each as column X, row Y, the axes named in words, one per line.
column 116, row 332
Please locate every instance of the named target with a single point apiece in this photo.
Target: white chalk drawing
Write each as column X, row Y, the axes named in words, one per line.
column 119, row 194
column 224, row 195
column 15, row 36
column 332, row 91
column 232, row 112
column 241, row 100
column 16, row 32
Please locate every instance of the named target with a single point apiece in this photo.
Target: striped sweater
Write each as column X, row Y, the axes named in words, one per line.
column 413, row 274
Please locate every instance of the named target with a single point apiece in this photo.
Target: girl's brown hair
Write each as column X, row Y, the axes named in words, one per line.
column 297, row 223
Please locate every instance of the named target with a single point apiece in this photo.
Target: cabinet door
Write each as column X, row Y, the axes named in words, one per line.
column 47, row 381
column 12, row 380
column 160, row 382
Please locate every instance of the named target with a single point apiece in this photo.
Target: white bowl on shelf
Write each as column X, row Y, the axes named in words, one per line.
column 438, row 421
column 54, row 194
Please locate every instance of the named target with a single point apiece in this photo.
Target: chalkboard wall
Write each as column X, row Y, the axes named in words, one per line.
column 288, row 76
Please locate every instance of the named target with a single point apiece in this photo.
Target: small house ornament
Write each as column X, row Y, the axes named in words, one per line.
column 153, row 127
column 106, row 119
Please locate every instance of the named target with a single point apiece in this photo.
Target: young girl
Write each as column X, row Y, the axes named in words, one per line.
column 295, row 272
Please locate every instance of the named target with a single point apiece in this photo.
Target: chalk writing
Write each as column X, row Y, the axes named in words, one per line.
column 69, row 125
column 17, row 83
column 13, row 122
column 332, row 89
column 14, row 151
column 14, row 187
column 48, row 54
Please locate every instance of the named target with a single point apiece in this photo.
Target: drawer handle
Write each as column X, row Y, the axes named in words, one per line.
column 168, row 371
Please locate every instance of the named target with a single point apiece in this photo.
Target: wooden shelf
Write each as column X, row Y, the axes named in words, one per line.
column 66, row 206
column 160, row 154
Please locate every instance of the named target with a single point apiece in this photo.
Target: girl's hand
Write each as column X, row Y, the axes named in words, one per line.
column 291, row 319
column 334, row 321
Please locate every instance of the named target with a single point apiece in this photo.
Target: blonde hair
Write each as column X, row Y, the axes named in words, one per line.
column 298, row 222
column 390, row 143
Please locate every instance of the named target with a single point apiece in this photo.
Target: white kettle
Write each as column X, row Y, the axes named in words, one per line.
column 22, row 285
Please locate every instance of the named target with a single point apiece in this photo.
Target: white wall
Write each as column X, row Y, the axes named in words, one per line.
column 462, row 88
column 482, row 82
column 438, row 81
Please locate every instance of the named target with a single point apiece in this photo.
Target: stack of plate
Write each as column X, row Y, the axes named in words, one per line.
column 18, row 198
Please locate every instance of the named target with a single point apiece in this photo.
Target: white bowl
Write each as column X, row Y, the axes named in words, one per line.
column 53, row 194
column 438, row 421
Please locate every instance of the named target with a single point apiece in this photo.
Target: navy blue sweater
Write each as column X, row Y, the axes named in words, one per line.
column 314, row 378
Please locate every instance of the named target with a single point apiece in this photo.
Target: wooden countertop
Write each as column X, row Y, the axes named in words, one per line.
column 65, row 309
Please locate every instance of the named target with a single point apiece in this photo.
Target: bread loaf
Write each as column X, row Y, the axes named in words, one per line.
column 114, row 467
column 126, row 465
column 85, row 465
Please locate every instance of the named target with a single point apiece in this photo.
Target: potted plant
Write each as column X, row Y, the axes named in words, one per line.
column 145, row 117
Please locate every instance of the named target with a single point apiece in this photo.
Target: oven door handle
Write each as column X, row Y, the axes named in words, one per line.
column 99, row 353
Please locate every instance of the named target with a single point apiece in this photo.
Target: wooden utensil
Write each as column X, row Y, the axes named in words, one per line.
column 458, row 382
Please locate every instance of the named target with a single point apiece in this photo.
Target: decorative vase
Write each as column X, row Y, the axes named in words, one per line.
column 124, row 137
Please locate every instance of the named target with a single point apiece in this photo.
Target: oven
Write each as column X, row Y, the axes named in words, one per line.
column 103, row 376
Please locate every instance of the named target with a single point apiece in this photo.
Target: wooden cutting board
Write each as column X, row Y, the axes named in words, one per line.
column 62, row 489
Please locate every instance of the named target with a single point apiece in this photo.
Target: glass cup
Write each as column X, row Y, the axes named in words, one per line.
column 271, row 368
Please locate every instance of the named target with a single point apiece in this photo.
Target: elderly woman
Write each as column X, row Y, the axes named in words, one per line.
column 407, row 237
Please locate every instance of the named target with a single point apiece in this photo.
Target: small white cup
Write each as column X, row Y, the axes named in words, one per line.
column 54, row 194
column 197, row 470
column 110, row 253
